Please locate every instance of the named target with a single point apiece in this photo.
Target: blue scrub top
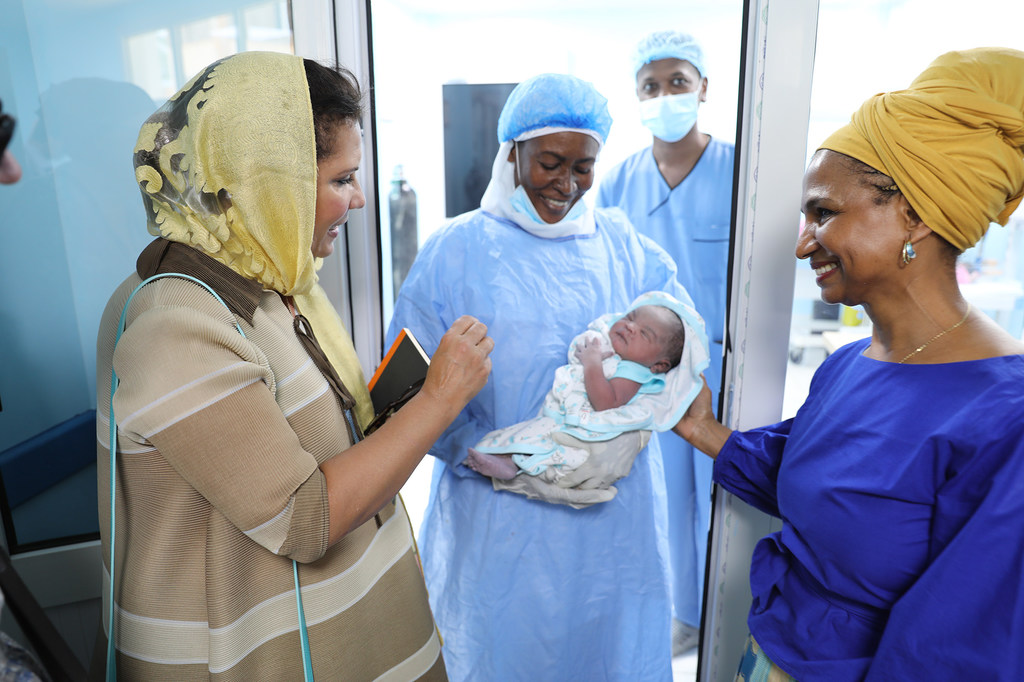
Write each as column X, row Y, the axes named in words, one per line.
column 521, row 589
column 901, row 492
column 692, row 222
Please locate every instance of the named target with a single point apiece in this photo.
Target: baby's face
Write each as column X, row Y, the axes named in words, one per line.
column 642, row 335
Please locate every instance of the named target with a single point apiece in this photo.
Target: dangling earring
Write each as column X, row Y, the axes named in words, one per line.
column 908, row 252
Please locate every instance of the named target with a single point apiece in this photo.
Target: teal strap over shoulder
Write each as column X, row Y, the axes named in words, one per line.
column 307, row 662
column 307, row 659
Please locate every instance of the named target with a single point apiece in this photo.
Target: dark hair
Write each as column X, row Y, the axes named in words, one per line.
column 884, row 187
column 675, row 343
column 885, row 191
column 336, row 99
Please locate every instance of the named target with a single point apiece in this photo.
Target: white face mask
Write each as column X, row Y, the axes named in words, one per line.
column 670, row 117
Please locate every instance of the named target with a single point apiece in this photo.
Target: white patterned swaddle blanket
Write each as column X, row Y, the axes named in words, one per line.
column 658, row 406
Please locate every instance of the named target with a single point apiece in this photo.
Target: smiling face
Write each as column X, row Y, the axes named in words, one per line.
column 644, row 336
column 555, row 171
column 853, row 232
column 337, row 189
column 669, row 77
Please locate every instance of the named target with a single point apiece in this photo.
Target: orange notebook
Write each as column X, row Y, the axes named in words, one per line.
column 404, row 366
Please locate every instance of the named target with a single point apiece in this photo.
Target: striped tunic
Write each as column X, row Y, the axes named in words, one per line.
column 218, row 489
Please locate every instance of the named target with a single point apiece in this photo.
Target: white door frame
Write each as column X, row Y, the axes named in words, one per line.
column 773, row 125
column 352, row 276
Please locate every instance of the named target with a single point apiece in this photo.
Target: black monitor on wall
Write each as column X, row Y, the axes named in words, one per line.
column 470, row 141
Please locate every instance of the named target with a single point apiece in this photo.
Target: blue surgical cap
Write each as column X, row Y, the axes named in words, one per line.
column 554, row 100
column 668, row 45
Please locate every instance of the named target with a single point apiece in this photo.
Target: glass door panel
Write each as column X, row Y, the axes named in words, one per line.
column 80, row 78
column 905, row 36
column 423, row 49
column 441, row 74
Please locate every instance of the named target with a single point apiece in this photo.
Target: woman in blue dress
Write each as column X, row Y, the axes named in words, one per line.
column 524, row 589
column 899, row 482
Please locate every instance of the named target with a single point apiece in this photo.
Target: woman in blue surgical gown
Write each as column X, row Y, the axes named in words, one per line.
column 524, row 589
column 678, row 192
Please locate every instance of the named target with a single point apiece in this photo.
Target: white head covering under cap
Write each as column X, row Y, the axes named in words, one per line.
column 543, row 105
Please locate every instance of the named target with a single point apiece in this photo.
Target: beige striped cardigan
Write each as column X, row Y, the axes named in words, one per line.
column 219, row 441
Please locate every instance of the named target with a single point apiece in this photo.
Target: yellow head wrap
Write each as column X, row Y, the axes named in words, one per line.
column 952, row 141
column 228, row 166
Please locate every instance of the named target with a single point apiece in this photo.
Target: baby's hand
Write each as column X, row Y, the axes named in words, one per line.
column 589, row 351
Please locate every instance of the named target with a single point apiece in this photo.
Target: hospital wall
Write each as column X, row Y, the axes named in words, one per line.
column 506, row 44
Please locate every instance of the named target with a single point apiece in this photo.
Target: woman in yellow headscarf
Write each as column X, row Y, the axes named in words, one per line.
column 241, row 468
column 899, row 481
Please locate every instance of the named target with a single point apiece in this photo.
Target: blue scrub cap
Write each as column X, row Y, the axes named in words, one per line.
column 554, row 100
column 668, row 45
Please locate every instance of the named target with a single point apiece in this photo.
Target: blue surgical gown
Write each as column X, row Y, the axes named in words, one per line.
column 521, row 589
column 901, row 493
column 692, row 222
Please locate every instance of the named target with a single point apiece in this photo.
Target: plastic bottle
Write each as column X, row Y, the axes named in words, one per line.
column 404, row 233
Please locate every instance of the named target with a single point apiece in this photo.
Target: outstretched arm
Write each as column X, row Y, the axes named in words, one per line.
column 363, row 478
column 699, row 426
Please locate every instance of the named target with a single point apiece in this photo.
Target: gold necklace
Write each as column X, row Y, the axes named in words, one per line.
column 937, row 336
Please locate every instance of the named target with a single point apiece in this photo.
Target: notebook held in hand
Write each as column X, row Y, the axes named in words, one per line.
column 398, row 378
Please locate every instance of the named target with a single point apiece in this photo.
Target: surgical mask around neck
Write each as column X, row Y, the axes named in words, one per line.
column 670, row 117
column 520, row 201
column 576, row 221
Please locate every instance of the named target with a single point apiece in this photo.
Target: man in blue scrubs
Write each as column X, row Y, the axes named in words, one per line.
column 678, row 191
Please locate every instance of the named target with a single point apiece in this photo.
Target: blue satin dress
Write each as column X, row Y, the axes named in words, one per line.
column 901, row 493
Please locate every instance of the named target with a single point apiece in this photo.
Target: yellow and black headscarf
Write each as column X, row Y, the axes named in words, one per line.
column 228, row 166
column 953, row 141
